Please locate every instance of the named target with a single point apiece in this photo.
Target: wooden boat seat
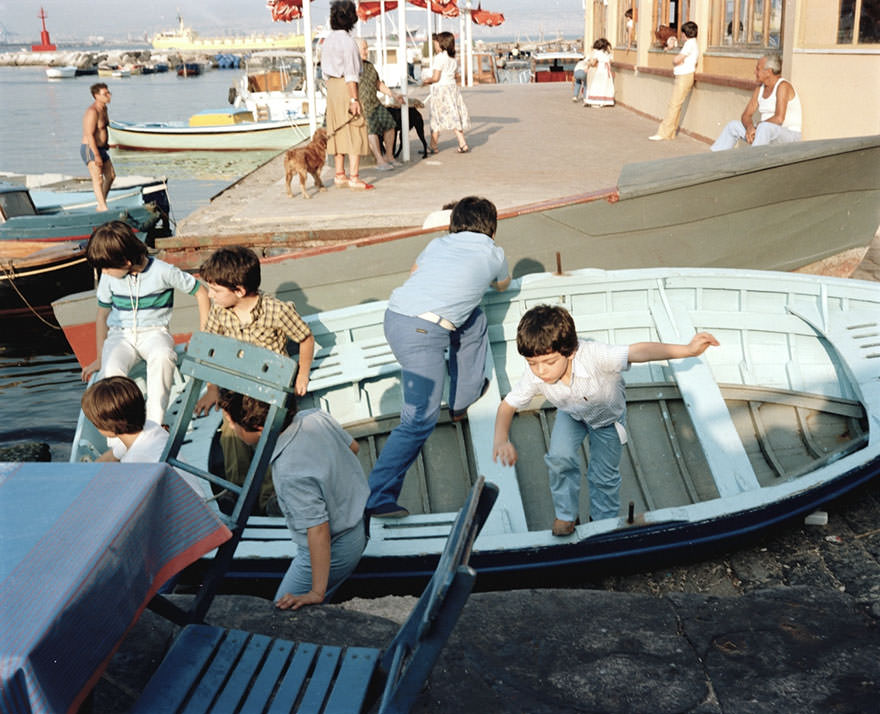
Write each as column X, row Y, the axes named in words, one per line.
column 212, row 669
column 724, row 451
column 247, row 369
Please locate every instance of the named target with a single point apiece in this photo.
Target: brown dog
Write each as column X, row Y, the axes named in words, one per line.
column 305, row 160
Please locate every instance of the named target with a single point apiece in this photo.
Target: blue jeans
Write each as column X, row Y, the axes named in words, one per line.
column 346, row 549
column 420, row 347
column 765, row 133
column 564, row 465
column 580, row 84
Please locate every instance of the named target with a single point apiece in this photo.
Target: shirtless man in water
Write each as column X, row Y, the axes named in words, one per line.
column 93, row 149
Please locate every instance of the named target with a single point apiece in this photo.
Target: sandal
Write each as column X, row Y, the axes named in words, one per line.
column 433, row 149
column 341, row 180
column 356, row 184
column 464, row 149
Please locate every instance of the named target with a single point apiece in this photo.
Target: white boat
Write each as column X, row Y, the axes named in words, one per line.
column 186, row 136
column 121, row 72
column 781, row 418
column 61, row 72
column 273, row 87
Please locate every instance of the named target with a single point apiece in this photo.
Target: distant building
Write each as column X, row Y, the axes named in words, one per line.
column 830, row 51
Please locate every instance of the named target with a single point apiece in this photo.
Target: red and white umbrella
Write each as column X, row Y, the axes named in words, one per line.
column 486, row 18
column 285, row 10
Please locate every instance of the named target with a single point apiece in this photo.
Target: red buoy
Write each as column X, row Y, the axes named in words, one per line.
column 45, row 43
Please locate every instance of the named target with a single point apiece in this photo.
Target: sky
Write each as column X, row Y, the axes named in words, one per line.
column 120, row 19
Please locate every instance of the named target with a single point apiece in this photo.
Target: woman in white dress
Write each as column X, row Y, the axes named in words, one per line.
column 600, row 90
column 448, row 111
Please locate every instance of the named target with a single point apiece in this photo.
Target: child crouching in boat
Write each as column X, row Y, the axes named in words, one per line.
column 583, row 380
column 321, row 490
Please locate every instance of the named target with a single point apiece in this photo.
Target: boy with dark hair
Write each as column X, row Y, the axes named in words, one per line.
column 135, row 299
column 241, row 311
column 321, row 491
column 116, row 406
column 583, row 380
column 434, row 310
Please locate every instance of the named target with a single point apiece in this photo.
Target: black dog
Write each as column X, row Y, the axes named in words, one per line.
column 415, row 122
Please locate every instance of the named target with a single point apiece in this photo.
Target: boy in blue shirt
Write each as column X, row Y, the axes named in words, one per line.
column 434, row 310
column 583, row 380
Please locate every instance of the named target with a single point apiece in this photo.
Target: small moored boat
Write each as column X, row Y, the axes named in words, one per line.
column 781, row 418
column 231, row 131
column 61, row 72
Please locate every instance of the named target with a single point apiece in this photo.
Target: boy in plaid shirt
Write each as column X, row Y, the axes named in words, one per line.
column 240, row 310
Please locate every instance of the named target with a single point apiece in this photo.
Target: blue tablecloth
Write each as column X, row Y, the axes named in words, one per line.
column 83, row 548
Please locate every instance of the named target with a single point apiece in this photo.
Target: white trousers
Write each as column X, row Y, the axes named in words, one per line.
column 765, row 133
column 122, row 350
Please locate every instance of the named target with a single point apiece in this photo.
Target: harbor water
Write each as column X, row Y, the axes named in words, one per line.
column 40, row 132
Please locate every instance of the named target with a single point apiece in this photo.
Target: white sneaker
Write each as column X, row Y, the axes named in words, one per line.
column 656, row 137
column 574, row 99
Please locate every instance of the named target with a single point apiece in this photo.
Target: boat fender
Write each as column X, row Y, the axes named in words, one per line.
column 233, row 93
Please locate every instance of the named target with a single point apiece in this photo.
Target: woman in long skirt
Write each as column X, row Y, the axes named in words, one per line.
column 341, row 66
column 448, row 111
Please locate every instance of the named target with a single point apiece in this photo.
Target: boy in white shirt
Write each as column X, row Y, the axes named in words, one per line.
column 583, row 380
column 116, row 406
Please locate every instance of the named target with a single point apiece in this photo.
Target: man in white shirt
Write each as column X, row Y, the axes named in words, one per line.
column 778, row 104
column 684, row 68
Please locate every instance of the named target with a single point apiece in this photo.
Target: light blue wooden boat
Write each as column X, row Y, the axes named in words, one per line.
column 66, row 209
column 781, row 418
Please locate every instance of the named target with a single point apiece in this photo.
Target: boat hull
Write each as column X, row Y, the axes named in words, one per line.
column 277, row 135
column 33, row 274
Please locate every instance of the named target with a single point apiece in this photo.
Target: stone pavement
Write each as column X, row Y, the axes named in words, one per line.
column 528, row 143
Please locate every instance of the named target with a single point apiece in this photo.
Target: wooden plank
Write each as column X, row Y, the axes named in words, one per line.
column 350, row 687
column 239, row 678
column 721, row 444
column 172, row 682
column 214, row 678
column 268, row 676
column 321, row 680
column 294, row 677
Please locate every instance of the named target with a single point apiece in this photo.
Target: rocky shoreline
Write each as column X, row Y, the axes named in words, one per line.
column 87, row 59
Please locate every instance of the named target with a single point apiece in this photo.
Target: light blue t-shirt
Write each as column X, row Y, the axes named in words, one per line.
column 317, row 477
column 144, row 299
column 453, row 273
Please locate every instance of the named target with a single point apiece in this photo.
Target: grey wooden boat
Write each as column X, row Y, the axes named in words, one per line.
column 812, row 207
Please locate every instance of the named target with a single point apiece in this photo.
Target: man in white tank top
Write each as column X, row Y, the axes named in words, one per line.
column 778, row 104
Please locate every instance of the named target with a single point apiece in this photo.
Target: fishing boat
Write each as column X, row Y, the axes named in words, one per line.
column 232, row 131
column 780, row 418
column 58, row 208
column 34, row 273
column 61, row 72
column 809, row 207
column 189, row 69
column 272, row 86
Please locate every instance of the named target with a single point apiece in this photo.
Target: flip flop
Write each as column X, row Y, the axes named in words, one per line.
column 463, row 150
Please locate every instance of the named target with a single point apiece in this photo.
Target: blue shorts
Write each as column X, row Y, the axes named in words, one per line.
column 88, row 155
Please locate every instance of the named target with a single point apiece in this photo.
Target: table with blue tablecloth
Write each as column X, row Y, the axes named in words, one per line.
column 83, row 549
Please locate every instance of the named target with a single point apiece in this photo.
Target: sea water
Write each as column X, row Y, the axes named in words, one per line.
column 41, row 132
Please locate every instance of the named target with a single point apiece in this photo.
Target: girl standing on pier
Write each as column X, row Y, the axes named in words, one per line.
column 448, row 110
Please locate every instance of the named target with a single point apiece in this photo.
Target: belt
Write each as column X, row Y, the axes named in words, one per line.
column 437, row 320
